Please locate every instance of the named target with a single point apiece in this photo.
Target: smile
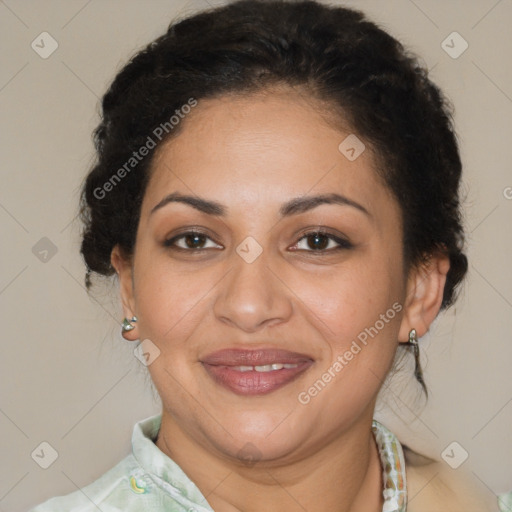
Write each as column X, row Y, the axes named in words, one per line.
column 232, row 369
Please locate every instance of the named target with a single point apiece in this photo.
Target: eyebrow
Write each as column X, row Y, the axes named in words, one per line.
column 292, row 207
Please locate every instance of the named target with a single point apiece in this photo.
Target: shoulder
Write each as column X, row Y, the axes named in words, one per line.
column 433, row 485
column 111, row 487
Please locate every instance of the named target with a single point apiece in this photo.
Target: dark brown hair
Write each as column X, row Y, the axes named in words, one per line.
column 335, row 53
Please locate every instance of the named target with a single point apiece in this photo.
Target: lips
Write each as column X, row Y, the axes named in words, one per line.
column 255, row 372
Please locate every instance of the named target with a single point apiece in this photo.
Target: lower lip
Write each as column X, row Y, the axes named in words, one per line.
column 253, row 382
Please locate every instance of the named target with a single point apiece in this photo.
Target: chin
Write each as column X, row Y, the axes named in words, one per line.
column 262, row 437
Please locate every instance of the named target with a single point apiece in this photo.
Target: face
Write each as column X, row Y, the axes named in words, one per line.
column 253, row 273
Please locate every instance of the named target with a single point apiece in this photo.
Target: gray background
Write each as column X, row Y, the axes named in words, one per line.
column 68, row 378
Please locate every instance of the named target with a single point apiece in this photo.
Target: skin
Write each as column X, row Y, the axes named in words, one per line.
column 253, row 153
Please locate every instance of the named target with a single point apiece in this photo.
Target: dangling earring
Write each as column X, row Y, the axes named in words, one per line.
column 127, row 325
column 418, row 373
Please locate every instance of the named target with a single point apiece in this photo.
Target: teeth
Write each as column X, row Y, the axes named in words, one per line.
column 265, row 368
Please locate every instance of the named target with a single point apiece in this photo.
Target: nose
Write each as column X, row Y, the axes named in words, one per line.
column 253, row 295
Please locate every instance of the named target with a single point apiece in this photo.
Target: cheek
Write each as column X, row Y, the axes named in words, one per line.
column 170, row 307
column 166, row 299
column 352, row 300
column 358, row 314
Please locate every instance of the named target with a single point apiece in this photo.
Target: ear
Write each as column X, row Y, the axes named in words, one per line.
column 425, row 288
column 123, row 267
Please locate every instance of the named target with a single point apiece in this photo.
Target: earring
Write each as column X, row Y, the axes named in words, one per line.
column 127, row 325
column 418, row 373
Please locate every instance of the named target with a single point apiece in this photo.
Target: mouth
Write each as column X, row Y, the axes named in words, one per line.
column 255, row 372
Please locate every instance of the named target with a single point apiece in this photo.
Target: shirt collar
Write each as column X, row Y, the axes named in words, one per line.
column 393, row 469
column 162, row 469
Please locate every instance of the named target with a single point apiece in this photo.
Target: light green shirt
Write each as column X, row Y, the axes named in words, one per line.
column 148, row 479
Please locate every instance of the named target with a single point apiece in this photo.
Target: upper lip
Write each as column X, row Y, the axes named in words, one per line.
column 255, row 357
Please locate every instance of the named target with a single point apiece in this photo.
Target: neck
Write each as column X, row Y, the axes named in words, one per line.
column 343, row 475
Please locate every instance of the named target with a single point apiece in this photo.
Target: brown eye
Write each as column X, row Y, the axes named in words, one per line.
column 191, row 240
column 194, row 241
column 319, row 241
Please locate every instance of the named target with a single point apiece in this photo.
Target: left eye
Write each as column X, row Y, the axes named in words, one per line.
column 319, row 241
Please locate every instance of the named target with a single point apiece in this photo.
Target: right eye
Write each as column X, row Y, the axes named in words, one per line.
column 193, row 241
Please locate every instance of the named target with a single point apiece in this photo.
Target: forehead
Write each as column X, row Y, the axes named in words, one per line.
column 263, row 148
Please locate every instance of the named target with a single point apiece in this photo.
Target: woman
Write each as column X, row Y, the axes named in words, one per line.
column 277, row 192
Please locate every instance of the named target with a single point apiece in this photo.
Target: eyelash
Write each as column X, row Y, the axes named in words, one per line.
column 342, row 244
